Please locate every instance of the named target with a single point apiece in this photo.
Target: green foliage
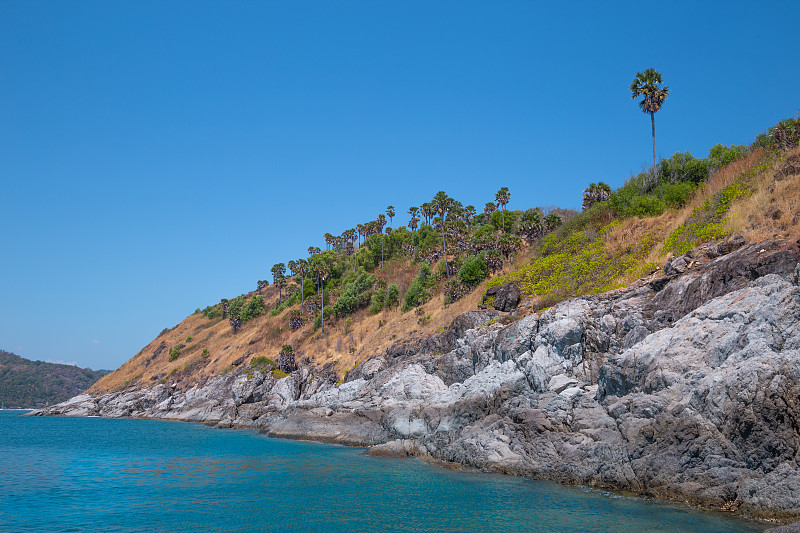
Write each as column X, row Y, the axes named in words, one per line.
column 245, row 309
column 354, row 295
column 473, row 271
column 174, row 353
column 721, row 155
column 628, row 201
column 683, row 167
column 511, row 217
column 205, row 353
column 578, row 264
column 211, row 312
column 392, row 296
column 279, row 374
column 377, row 300
column 189, row 338
column 676, row 195
column 707, row 222
column 417, row 293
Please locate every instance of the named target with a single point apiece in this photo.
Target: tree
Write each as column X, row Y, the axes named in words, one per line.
column 390, row 213
column 646, row 84
column 502, row 197
column 441, row 205
column 594, row 193
column 302, row 269
column 279, row 277
column 489, row 208
column 552, row 221
column 469, row 212
column 262, row 284
column 381, row 222
column 412, row 222
column 427, row 211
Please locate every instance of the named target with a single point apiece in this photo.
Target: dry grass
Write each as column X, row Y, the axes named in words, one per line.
column 773, row 207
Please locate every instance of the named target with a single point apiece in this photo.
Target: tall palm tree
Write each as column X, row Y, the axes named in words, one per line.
column 469, row 212
column 381, row 222
column 502, row 197
column 441, row 205
column 412, row 223
column 645, row 84
column 427, row 211
column 489, row 208
column 390, row 213
column 302, row 269
column 278, row 275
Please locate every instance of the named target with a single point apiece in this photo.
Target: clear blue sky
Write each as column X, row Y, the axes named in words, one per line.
column 158, row 156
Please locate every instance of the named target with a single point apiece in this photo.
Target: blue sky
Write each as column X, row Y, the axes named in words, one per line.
column 158, row 156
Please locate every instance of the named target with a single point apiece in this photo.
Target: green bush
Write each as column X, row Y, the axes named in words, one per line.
column 628, row 201
column 174, row 353
column 377, row 300
column 392, row 296
column 473, row 270
column 682, row 167
column 676, row 195
column 354, row 295
column 417, row 293
column 211, row 312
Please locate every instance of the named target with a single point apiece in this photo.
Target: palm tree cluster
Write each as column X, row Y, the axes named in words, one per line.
column 595, row 193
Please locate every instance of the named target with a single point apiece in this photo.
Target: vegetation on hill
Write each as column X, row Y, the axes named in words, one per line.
column 374, row 284
column 25, row 383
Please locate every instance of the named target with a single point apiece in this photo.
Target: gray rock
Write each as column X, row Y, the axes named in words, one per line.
column 506, row 297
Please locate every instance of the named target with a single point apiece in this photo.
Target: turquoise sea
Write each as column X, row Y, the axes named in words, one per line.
column 94, row 474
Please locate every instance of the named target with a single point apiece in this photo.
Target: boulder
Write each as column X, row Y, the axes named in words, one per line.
column 504, row 298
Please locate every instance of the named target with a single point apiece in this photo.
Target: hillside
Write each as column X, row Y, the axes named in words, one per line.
column 25, row 383
column 620, row 236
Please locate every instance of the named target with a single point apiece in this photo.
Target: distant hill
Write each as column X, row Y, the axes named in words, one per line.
column 26, row 383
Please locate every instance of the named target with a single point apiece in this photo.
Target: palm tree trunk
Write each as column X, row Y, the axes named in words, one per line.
column 653, row 124
column 503, row 213
column 444, row 249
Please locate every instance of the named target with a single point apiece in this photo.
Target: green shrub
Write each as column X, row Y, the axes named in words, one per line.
column 417, row 293
column 211, row 312
column 354, row 295
column 174, row 353
column 628, row 201
column 392, row 296
column 473, row 271
column 377, row 300
column 189, row 338
column 676, row 195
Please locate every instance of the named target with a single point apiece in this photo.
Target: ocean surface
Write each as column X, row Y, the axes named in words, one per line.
column 94, row 474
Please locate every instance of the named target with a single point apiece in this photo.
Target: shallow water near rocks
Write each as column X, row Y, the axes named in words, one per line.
column 94, row 474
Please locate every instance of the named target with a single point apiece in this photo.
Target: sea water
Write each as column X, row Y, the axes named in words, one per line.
column 95, row 474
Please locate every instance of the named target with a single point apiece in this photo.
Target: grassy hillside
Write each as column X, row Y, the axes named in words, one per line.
column 25, row 383
column 395, row 284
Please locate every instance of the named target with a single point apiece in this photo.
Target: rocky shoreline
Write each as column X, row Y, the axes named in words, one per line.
column 684, row 386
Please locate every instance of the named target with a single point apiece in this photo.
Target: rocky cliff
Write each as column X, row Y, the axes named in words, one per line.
column 684, row 386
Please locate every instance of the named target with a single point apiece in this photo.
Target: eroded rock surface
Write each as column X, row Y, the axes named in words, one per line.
column 684, row 387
